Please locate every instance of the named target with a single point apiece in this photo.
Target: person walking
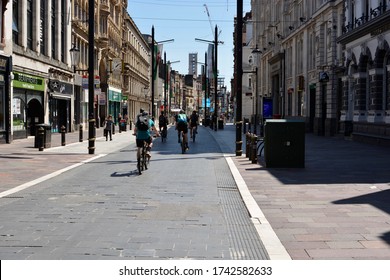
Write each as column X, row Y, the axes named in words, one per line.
column 108, row 127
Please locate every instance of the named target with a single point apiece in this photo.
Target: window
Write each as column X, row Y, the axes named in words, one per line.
column 63, row 26
column 15, row 21
column 53, row 29
column 42, row 27
column 30, row 24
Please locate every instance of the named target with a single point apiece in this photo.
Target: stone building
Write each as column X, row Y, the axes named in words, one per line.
column 299, row 62
column 365, row 107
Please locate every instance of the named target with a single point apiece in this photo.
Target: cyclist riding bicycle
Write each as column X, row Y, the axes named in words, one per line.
column 194, row 120
column 162, row 122
column 142, row 130
column 182, row 126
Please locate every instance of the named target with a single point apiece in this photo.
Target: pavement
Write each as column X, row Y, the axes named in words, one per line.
column 336, row 207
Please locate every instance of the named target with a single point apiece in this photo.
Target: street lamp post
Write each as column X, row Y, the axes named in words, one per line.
column 154, row 69
column 215, row 71
column 91, row 85
column 255, row 53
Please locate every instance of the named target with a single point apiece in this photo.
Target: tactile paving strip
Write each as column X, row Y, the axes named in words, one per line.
column 245, row 242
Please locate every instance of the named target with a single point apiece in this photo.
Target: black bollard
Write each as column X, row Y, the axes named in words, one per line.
column 254, row 148
column 81, row 133
column 63, row 143
column 41, row 135
column 247, row 144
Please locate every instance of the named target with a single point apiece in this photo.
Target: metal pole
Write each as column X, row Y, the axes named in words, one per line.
column 216, row 78
column 152, row 78
column 91, row 84
column 238, row 77
column 257, row 102
column 205, row 86
column 165, row 81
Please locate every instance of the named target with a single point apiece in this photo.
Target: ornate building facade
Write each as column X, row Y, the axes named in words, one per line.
column 365, row 111
column 299, row 65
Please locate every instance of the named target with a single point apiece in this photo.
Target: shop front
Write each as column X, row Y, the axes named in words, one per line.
column 60, row 104
column 27, row 104
column 115, row 101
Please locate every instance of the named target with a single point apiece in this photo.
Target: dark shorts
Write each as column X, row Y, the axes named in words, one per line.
column 140, row 142
column 181, row 126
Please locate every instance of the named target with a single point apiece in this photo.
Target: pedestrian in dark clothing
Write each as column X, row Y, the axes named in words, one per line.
column 108, row 127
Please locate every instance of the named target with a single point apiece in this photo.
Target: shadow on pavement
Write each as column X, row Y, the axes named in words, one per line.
column 380, row 200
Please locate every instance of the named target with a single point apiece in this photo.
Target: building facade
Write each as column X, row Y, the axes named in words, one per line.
column 365, row 111
column 299, row 63
column 42, row 88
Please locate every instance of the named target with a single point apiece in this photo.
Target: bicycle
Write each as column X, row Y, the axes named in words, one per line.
column 163, row 133
column 142, row 158
column 182, row 143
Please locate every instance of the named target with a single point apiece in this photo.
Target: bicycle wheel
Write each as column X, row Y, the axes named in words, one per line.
column 144, row 159
column 183, row 144
column 139, row 166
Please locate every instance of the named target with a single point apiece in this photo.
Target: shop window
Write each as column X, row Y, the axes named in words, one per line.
column 19, row 115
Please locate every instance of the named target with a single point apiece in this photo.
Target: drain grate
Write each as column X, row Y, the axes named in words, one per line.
column 245, row 242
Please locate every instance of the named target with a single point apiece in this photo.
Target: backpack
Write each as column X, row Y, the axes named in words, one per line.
column 162, row 120
column 182, row 118
column 143, row 123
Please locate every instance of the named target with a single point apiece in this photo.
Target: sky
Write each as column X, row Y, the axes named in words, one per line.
column 187, row 20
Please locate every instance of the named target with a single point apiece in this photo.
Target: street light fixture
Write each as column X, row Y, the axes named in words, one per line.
column 74, row 57
column 152, row 45
column 215, row 70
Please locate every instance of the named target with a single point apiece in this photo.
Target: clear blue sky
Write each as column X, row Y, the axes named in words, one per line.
column 185, row 20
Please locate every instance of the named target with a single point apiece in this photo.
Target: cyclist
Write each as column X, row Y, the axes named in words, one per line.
column 182, row 125
column 194, row 119
column 142, row 130
column 162, row 122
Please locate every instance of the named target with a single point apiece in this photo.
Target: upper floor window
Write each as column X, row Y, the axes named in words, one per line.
column 15, row 21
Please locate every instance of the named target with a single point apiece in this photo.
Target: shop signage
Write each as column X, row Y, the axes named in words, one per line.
column 60, row 87
column 114, row 95
column 28, row 82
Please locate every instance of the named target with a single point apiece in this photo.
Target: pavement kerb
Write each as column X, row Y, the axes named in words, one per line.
column 271, row 242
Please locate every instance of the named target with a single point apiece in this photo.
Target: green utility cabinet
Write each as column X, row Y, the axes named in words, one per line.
column 284, row 143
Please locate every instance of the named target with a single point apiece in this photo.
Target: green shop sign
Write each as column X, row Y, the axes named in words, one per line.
column 114, row 96
column 28, row 82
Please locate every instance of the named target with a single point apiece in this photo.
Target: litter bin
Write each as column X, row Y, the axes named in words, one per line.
column 220, row 124
column 284, row 143
column 46, row 135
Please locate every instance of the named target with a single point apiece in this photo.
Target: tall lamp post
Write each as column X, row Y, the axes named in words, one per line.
column 155, row 66
column 91, row 85
column 255, row 102
column 74, row 61
column 167, row 66
column 215, row 71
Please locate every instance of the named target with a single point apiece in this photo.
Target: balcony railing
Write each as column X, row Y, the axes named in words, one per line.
column 374, row 13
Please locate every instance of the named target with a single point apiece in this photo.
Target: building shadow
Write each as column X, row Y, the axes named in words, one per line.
column 380, row 200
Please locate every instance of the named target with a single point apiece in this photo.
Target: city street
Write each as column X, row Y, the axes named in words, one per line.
column 183, row 207
column 206, row 204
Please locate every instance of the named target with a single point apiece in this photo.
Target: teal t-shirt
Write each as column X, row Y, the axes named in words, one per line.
column 144, row 135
